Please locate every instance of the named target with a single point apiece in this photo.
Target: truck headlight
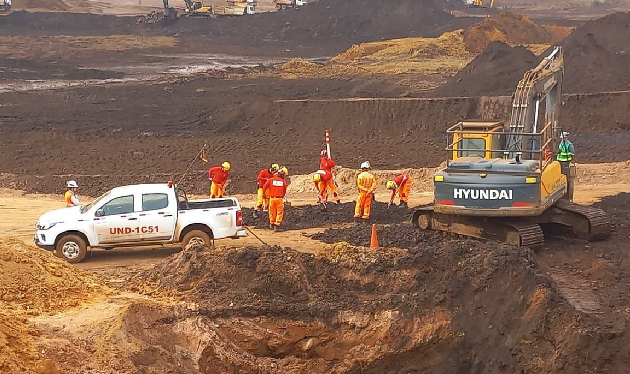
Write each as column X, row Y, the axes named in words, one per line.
column 46, row 226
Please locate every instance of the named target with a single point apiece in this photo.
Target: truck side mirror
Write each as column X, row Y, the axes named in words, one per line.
column 100, row 213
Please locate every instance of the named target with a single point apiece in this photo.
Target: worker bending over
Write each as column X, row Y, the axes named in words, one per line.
column 276, row 189
column 71, row 194
column 326, row 163
column 262, row 202
column 366, row 185
column 402, row 183
column 321, row 178
column 218, row 176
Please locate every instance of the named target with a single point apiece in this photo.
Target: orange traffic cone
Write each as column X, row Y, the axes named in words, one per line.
column 374, row 237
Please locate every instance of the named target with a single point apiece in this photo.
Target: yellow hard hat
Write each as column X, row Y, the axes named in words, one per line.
column 226, row 165
column 390, row 185
column 275, row 167
column 284, row 170
column 317, row 177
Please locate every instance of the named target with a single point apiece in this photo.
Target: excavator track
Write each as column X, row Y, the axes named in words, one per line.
column 587, row 222
column 514, row 232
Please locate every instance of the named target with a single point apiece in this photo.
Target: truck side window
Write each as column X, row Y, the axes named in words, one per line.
column 154, row 201
column 119, row 205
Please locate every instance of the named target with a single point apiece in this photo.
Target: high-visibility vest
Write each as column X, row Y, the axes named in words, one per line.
column 564, row 154
column 68, row 198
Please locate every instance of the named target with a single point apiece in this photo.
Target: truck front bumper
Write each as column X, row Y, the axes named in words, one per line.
column 39, row 241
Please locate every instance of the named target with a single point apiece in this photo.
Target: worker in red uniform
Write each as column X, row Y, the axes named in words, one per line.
column 276, row 189
column 321, row 178
column 218, row 176
column 262, row 202
column 366, row 185
column 326, row 163
column 402, row 183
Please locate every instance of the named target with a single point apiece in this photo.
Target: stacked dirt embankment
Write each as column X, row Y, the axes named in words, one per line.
column 512, row 29
column 440, row 306
column 597, row 55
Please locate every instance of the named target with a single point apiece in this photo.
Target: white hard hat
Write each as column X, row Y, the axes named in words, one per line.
column 365, row 165
column 564, row 134
column 72, row 184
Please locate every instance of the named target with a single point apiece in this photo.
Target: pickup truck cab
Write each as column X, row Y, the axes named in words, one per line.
column 138, row 215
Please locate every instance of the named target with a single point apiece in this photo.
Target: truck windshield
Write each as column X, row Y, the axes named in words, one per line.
column 85, row 208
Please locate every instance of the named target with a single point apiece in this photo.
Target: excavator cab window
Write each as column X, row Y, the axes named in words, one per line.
column 476, row 147
column 197, row 5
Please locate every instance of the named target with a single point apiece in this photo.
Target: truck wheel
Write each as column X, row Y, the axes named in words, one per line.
column 72, row 248
column 196, row 237
column 283, row 7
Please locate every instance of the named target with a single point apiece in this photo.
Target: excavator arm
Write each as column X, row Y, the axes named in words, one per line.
column 541, row 85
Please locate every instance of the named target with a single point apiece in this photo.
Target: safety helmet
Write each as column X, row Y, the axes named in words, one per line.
column 317, row 177
column 226, row 165
column 564, row 134
column 274, row 167
column 284, row 170
column 72, row 184
column 390, row 185
column 365, row 165
column 323, row 153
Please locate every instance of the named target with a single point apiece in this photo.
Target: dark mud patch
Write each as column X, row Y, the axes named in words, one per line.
column 310, row 216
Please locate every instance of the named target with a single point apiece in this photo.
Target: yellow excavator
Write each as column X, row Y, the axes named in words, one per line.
column 503, row 182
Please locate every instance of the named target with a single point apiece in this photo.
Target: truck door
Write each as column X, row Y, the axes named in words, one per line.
column 158, row 217
column 116, row 221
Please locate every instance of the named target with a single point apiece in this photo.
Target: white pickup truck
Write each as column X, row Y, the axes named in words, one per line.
column 138, row 215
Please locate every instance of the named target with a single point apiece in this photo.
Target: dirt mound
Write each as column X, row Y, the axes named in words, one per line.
column 448, row 44
column 327, row 25
column 34, row 281
column 17, row 352
column 496, row 71
column 309, row 216
column 350, row 309
column 597, row 55
column 511, row 28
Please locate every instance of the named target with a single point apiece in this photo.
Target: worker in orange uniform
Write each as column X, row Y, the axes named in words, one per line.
column 366, row 184
column 218, row 176
column 276, row 189
column 71, row 194
column 326, row 163
column 402, row 183
column 321, row 178
column 262, row 202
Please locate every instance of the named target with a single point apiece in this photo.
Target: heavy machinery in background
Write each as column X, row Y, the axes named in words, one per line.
column 478, row 4
column 503, row 182
column 5, row 5
column 233, row 8
column 284, row 4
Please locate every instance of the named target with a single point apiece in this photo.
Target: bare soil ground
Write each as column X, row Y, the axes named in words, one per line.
column 424, row 302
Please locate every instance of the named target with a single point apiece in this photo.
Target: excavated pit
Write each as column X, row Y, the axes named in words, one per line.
column 441, row 305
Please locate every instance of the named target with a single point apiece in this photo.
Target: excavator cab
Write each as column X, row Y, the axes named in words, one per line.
column 477, row 139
